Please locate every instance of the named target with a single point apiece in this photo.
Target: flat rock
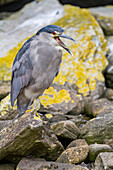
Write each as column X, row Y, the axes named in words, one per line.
column 34, row 164
column 94, row 108
column 65, row 130
column 104, row 161
column 95, row 149
column 104, row 16
column 99, row 129
column 27, row 136
column 74, row 155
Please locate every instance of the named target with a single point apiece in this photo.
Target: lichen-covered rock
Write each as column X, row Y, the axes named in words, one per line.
column 59, row 98
column 77, row 143
column 104, row 161
column 95, row 149
column 28, row 136
column 65, row 130
column 33, row 164
column 100, row 128
column 74, row 155
column 94, row 108
column 104, row 16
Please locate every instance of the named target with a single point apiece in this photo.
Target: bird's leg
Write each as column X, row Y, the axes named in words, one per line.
column 37, row 107
column 33, row 109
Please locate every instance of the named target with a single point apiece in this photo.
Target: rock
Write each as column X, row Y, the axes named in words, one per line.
column 66, row 131
column 104, row 161
column 74, row 155
column 104, row 16
column 98, row 129
column 4, row 90
column 27, row 136
column 34, row 164
column 7, row 167
column 95, row 149
column 4, row 123
column 109, row 94
column 77, row 143
column 77, row 119
column 59, row 98
column 94, row 108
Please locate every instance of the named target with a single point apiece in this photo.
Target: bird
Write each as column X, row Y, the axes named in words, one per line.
column 36, row 65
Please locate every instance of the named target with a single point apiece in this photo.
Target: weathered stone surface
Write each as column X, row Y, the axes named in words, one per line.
column 95, row 149
column 28, row 136
column 77, row 119
column 76, row 154
column 104, row 161
column 61, row 99
column 104, row 16
column 109, row 94
column 33, row 164
column 7, row 167
column 4, row 90
column 4, row 123
column 96, row 107
column 65, row 130
column 77, row 143
column 99, row 129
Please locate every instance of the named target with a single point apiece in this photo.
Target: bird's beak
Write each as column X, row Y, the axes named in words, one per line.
column 61, row 43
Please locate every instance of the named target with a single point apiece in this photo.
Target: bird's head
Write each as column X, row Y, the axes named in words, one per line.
column 55, row 32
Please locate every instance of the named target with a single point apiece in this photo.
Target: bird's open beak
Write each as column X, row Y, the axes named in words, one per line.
column 61, row 43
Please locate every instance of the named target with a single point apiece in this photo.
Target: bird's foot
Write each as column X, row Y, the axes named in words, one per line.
column 37, row 116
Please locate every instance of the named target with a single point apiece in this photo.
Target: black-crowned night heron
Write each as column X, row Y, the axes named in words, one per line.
column 36, row 65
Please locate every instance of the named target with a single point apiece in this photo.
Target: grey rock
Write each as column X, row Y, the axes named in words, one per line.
column 4, row 123
column 34, row 164
column 31, row 18
column 104, row 16
column 65, row 130
column 7, row 167
column 94, row 108
column 27, row 136
column 95, row 149
column 99, row 129
column 104, row 161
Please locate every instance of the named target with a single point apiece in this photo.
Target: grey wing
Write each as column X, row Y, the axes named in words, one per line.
column 21, row 73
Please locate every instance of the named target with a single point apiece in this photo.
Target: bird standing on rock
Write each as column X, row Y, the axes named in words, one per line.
column 36, row 65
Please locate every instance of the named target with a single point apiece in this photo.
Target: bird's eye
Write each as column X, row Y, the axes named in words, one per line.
column 53, row 33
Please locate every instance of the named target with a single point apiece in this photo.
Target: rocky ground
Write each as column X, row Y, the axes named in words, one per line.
column 77, row 110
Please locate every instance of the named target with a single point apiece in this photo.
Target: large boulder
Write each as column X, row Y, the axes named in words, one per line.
column 28, row 136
